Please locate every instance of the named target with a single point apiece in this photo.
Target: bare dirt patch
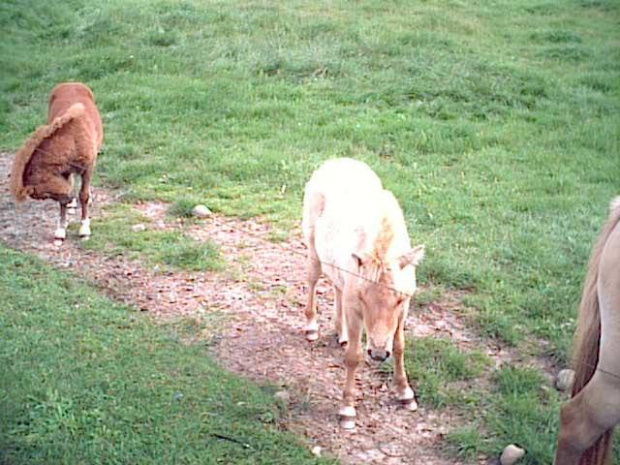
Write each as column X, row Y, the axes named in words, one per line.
column 262, row 294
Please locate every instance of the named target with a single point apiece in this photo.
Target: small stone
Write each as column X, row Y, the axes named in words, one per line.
column 177, row 396
column 511, row 455
column 284, row 396
column 138, row 227
column 201, row 211
column 564, row 381
column 316, row 451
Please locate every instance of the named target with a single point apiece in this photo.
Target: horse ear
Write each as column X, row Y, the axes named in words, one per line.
column 413, row 257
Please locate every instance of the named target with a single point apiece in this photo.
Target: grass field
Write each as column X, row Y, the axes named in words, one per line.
column 495, row 123
column 88, row 381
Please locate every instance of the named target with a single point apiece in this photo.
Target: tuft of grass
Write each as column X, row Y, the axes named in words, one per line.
column 525, row 412
column 467, row 442
column 190, row 255
column 436, row 365
column 88, row 381
column 182, row 208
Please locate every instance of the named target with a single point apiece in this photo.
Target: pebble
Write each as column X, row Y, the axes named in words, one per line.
column 316, row 450
column 565, row 380
column 283, row 396
column 511, row 455
column 138, row 227
column 201, row 211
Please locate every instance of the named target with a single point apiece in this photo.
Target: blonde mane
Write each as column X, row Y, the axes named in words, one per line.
column 25, row 153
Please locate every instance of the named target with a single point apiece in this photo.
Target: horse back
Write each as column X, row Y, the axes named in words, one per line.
column 65, row 95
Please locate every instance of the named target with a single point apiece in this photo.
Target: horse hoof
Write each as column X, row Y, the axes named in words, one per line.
column 347, row 417
column 343, row 344
column 85, row 229
column 312, row 334
column 409, row 404
column 347, row 423
column 407, row 400
column 60, row 234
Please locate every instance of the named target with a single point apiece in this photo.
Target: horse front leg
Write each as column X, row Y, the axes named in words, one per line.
column 61, row 230
column 352, row 358
column 84, row 200
column 404, row 393
column 341, row 320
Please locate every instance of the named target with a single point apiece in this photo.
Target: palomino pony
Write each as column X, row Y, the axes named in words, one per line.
column 356, row 234
column 587, row 421
column 68, row 144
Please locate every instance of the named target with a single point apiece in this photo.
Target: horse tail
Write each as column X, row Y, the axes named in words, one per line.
column 25, row 153
column 588, row 337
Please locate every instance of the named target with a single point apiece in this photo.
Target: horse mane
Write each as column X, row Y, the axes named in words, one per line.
column 384, row 240
column 588, row 335
column 26, row 152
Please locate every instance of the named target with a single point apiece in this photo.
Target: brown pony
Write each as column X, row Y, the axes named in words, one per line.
column 68, row 144
column 588, row 419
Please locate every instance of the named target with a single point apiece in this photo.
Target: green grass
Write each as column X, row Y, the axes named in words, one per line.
column 439, row 368
column 496, row 124
column 88, row 381
column 157, row 247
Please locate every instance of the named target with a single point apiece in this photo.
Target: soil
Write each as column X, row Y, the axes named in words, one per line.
column 260, row 297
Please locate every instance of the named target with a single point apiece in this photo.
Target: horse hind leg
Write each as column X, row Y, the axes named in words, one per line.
column 84, row 203
column 587, row 417
column 72, row 205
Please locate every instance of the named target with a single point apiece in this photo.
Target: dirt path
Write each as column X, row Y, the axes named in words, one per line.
column 261, row 296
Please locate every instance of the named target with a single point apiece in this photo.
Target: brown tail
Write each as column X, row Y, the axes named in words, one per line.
column 587, row 342
column 23, row 156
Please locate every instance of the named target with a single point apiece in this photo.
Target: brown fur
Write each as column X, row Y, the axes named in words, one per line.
column 587, row 341
column 68, row 144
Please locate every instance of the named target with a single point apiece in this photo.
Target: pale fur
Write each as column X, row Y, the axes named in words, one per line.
column 357, row 213
column 587, row 421
column 356, row 234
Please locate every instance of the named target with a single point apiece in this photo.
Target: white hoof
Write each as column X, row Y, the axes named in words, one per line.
column 407, row 400
column 347, row 417
column 410, row 405
column 408, row 394
column 72, row 207
column 312, row 331
column 85, row 228
column 60, row 234
column 343, row 341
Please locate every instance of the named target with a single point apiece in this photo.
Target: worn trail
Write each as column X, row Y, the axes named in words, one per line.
column 260, row 298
